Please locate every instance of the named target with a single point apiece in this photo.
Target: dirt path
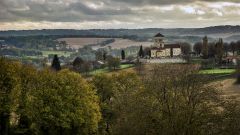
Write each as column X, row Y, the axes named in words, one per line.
column 229, row 88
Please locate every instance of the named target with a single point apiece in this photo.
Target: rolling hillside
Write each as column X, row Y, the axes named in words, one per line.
column 191, row 35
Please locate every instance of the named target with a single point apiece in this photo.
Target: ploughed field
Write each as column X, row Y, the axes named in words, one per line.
column 95, row 42
column 81, row 42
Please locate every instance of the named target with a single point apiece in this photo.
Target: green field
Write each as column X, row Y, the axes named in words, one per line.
column 59, row 53
column 217, row 71
column 106, row 70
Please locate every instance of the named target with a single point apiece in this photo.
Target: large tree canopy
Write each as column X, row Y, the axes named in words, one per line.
column 63, row 102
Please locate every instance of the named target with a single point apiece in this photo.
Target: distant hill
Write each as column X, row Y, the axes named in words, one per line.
column 227, row 32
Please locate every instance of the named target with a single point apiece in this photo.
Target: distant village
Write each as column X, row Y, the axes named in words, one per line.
column 209, row 54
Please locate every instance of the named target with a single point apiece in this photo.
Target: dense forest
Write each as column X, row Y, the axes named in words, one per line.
column 168, row 99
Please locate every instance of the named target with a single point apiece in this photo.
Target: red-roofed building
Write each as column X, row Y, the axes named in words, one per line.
column 160, row 49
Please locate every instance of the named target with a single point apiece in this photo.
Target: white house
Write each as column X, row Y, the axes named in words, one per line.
column 161, row 50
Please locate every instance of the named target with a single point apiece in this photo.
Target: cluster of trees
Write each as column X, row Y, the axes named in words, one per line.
column 101, row 54
column 81, row 66
column 186, row 48
column 164, row 99
column 45, row 101
column 86, row 53
column 144, row 52
column 113, row 63
column 233, row 47
column 20, row 52
column 160, row 102
column 37, row 42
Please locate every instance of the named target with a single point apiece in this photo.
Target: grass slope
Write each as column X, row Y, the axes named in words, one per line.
column 106, row 70
column 218, row 71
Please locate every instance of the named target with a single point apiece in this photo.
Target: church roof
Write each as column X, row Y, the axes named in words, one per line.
column 172, row 46
column 166, row 46
column 157, row 48
column 159, row 35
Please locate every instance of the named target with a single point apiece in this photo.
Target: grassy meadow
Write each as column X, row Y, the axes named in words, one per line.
column 217, row 71
column 106, row 70
column 59, row 53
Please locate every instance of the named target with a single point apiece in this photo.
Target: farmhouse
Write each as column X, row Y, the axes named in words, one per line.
column 161, row 50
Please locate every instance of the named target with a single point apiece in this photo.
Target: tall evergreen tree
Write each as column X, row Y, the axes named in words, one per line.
column 123, row 55
column 205, row 47
column 219, row 50
column 104, row 56
column 56, row 63
column 141, row 53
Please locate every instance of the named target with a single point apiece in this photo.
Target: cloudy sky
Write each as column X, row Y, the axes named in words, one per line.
column 102, row 14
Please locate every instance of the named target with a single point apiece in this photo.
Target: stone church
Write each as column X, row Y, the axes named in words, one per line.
column 162, row 50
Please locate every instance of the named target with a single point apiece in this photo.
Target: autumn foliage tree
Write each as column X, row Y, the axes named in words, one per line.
column 63, row 103
column 46, row 102
column 104, row 86
column 165, row 103
column 118, row 93
column 9, row 92
column 113, row 62
column 29, row 76
column 169, row 99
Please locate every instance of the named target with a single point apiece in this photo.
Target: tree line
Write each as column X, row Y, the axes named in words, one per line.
column 233, row 47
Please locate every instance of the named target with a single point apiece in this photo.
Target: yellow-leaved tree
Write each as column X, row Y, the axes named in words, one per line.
column 63, row 103
column 9, row 90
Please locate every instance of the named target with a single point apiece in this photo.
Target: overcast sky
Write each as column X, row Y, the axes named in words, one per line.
column 102, row 14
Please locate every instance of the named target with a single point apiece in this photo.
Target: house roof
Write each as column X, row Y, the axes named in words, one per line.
column 159, row 35
column 172, row 46
column 166, row 46
column 157, row 48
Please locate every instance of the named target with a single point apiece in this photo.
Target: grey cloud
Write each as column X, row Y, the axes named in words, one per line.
column 89, row 11
column 55, row 10
column 166, row 2
column 119, row 10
